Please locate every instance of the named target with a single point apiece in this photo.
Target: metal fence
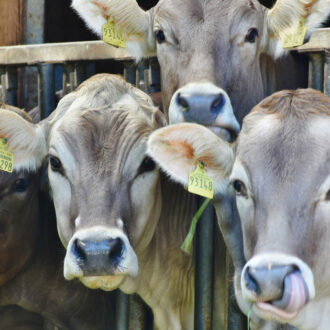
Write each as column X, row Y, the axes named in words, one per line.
column 74, row 59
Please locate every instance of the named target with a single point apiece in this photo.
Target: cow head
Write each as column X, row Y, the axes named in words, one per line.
column 281, row 176
column 105, row 188
column 207, row 49
column 19, row 211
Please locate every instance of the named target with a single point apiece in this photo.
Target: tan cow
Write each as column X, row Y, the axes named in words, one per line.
column 209, row 48
column 121, row 220
column 281, row 175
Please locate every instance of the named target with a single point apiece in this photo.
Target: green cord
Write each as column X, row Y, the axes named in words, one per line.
column 249, row 315
column 187, row 244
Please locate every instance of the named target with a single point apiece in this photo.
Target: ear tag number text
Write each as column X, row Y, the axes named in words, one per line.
column 200, row 183
column 112, row 35
column 6, row 157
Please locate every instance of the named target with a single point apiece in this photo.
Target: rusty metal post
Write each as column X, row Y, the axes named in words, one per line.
column 154, row 75
column 316, row 71
column 204, row 270
column 46, row 89
column 142, row 75
column 69, row 78
column 2, row 84
column 11, row 85
column 130, row 72
column 122, row 311
column 327, row 57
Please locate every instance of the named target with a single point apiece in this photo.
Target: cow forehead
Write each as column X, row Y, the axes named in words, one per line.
column 101, row 141
column 184, row 14
column 286, row 157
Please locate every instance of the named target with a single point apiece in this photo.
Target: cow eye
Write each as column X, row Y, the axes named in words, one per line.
column 160, row 36
column 20, row 185
column 252, row 35
column 327, row 196
column 55, row 164
column 240, row 188
column 147, row 165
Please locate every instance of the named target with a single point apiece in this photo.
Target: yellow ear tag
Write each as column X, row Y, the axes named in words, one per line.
column 297, row 39
column 200, row 183
column 112, row 35
column 6, row 157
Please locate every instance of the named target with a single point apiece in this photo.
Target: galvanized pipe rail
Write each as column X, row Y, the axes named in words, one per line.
column 318, row 50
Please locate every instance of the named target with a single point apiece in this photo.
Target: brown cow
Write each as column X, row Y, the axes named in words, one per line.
column 208, row 48
column 281, row 175
column 120, row 219
column 31, row 256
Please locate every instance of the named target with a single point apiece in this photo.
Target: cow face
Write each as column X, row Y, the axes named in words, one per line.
column 19, row 213
column 207, row 49
column 105, row 189
column 282, row 180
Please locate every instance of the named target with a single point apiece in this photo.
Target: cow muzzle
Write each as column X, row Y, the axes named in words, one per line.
column 278, row 287
column 205, row 104
column 100, row 257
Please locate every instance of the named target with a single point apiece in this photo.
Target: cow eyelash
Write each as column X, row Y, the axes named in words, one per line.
column 252, row 35
column 55, row 163
column 239, row 188
column 160, row 36
column 147, row 165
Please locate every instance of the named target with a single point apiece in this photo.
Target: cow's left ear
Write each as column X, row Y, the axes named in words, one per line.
column 179, row 148
column 25, row 140
column 286, row 15
column 127, row 16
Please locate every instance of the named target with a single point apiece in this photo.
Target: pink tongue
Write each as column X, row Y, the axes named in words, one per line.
column 298, row 295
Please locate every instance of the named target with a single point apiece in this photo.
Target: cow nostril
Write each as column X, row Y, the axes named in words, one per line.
column 250, row 282
column 182, row 101
column 218, row 103
column 79, row 249
column 116, row 249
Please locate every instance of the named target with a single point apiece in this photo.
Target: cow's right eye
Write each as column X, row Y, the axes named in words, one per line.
column 240, row 188
column 55, row 164
column 160, row 36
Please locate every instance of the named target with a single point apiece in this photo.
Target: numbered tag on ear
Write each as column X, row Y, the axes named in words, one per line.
column 6, row 157
column 200, row 183
column 112, row 35
column 297, row 39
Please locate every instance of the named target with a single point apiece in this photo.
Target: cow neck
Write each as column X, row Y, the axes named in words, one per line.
column 166, row 278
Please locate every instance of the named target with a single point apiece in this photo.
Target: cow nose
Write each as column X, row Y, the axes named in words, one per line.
column 97, row 258
column 201, row 108
column 267, row 283
column 206, row 104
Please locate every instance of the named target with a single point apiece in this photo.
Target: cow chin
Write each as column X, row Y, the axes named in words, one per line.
column 106, row 283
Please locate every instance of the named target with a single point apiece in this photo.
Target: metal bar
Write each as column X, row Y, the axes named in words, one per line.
column 328, row 74
column 122, row 311
column 142, row 67
column 46, row 89
column 2, row 84
column 130, row 72
column 204, row 270
column 11, row 85
column 61, row 52
column 316, row 71
column 137, row 313
column 154, row 71
column 35, row 21
column 81, row 72
column 69, row 78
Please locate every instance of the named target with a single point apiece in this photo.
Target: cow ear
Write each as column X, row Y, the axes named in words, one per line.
column 284, row 19
column 179, row 148
column 128, row 17
column 25, row 140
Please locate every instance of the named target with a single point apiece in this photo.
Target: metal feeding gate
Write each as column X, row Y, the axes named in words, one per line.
column 74, row 58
